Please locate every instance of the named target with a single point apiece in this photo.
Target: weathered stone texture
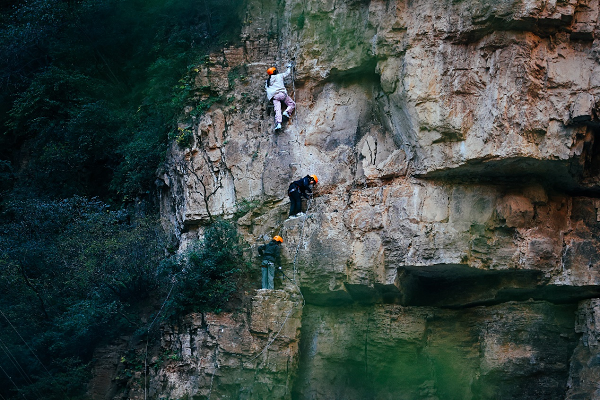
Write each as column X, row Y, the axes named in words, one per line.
column 231, row 355
column 585, row 369
column 384, row 352
column 455, row 147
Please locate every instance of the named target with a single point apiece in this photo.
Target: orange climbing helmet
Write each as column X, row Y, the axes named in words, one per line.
column 315, row 178
column 271, row 70
column 278, row 239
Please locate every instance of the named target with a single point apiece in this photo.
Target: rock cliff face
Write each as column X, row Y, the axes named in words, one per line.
column 451, row 251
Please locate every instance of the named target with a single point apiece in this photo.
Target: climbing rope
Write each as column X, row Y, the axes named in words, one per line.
column 308, row 208
column 214, row 371
column 11, row 381
column 30, row 349
column 16, row 364
column 174, row 282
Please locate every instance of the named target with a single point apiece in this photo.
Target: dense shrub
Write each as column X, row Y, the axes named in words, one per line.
column 89, row 89
column 210, row 270
column 88, row 94
column 74, row 274
column 70, row 273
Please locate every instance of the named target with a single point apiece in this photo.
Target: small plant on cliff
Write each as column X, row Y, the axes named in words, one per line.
column 210, row 270
column 244, row 206
column 300, row 21
column 183, row 137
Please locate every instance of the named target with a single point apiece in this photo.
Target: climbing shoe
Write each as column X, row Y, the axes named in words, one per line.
column 277, row 127
column 285, row 114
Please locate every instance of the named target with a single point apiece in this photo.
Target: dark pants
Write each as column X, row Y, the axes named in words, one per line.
column 295, row 202
column 268, row 275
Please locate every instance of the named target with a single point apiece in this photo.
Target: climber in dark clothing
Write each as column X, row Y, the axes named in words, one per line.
column 271, row 255
column 297, row 190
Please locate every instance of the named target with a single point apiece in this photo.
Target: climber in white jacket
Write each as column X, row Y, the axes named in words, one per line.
column 276, row 92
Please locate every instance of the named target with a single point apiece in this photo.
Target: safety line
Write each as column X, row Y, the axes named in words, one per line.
column 293, row 77
column 148, row 333
column 308, row 207
column 30, row 349
column 15, row 363
column 295, row 284
column 19, row 368
column 13, row 382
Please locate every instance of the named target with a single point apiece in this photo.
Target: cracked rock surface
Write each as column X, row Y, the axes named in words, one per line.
column 451, row 250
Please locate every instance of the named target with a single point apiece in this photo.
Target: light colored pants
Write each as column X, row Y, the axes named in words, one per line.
column 268, row 275
column 277, row 99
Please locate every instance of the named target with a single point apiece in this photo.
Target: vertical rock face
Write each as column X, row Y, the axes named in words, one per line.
column 242, row 355
column 585, row 370
column 455, row 145
column 385, row 352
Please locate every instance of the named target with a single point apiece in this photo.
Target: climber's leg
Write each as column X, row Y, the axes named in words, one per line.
column 295, row 202
column 277, row 99
column 265, row 275
column 291, row 105
column 270, row 276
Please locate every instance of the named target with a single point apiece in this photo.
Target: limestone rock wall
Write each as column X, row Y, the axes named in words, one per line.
column 584, row 371
column 455, row 145
column 510, row 351
column 246, row 355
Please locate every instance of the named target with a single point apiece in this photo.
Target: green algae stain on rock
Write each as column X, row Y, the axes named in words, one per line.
column 385, row 352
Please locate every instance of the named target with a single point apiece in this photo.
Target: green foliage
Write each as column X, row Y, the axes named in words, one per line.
column 68, row 384
column 300, row 21
column 201, row 99
column 131, row 363
column 70, row 271
column 183, row 137
column 87, row 93
column 182, row 92
column 244, row 206
column 204, row 105
column 237, row 73
column 89, row 90
column 210, row 270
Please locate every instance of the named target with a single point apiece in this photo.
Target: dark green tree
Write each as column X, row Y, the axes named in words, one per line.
column 88, row 95
column 70, row 273
column 210, row 271
column 86, row 89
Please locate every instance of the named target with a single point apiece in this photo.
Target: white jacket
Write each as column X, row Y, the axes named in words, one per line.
column 277, row 84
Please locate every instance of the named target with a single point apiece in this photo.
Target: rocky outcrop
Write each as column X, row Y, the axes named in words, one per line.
column 231, row 355
column 455, row 147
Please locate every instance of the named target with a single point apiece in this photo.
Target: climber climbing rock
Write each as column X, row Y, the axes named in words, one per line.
column 271, row 255
column 276, row 93
column 298, row 189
